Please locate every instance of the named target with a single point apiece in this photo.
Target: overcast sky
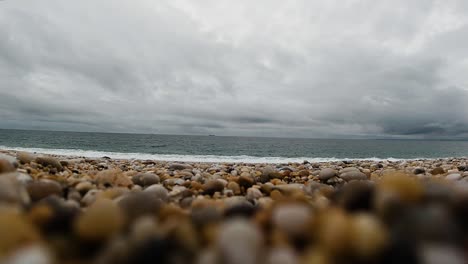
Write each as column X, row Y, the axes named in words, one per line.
column 299, row 68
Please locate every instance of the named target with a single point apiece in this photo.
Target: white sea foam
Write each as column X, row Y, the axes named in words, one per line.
column 188, row 158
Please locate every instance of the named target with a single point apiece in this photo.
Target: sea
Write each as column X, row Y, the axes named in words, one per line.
column 226, row 149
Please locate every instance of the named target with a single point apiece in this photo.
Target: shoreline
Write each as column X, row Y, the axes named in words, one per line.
column 244, row 159
column 126, row 210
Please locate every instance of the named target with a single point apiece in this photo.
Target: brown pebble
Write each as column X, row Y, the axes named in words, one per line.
column 334, row 231
column 49, row 162
column 246, row 181
column 438, row 170
column 43, row 188
column 145, row 179
column 15, row 230
column 113, row 177
column 234, row 187
column 100, row 221
column 25, row 157
column 368, row 235
column 6, row 166
column 12, row 191
column 213, row 186
column 139, row 204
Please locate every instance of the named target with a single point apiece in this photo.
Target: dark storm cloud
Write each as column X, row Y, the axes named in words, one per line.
column 273, row 68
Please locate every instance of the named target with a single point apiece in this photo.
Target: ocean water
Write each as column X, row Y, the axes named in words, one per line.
column 226, row 149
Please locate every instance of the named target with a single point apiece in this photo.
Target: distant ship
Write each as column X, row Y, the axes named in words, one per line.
column 211, row 135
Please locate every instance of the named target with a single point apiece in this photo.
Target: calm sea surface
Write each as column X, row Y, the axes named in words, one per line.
column 216, row 148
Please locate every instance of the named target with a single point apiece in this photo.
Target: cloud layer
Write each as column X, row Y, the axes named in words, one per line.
column 261, row 68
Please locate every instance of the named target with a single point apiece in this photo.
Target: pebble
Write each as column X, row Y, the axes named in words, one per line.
column 179, row 166
column 419, row 170
column 90, row 197
column 113, row 177
column 240, row 242
column 282, row 255
column 6, row 166
column 84, row 186
column 253, row 194
column 326, row 174
column 212, row 186
column 139, row 204
column 41, row 189
column 16, row 231
column 353, row 175
column 145, row 179
column 234, row 187
column 25, row 157
column 438, row 170
column 100, row 221
column 12, row 191
column 48, row 161
column 33, row 254
column 158, row 191
column 292, row 219
column 453, row 177
column 436, row 254
column 369, row 236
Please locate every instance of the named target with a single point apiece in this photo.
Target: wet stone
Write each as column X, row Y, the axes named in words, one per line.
column 145, row 179
column 47, row 161
column 212, row 186
column 41, row 189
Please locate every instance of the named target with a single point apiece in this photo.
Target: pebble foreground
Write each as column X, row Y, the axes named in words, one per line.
column 56, row 209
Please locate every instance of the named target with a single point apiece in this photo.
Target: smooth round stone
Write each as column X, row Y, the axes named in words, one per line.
column 179, row 166
column 143, row 228
column 6, row 166
column 84, row 187
column 289, row 188
column 8, row 158
column 334, row 232
column 32, row 254
column 253, row 194
column 145, row 179
column 100, row 221
column 25, row 157
column 282, row 255
column 16, row 231
column 139, row 204
column 419, row 170
column 239, row 242
column 453, row 177
column 246, row 181
column 236, row 201
column 348, row 169
column 158, row 191
column 326, row 174
column 438, row 170
column 12, row 191
column 353, row 175
column 207, row 256
column 291, row 219
column 234, row 187
column 43, row 188
column 47, row 161
column 271, row 173
column 212, row 186
column 441, row 253
column 23, row 178
column 113, row 177
column 90, row 197
column 368, row 235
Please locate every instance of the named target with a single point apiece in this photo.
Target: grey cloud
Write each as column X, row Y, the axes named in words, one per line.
column 273, row 68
